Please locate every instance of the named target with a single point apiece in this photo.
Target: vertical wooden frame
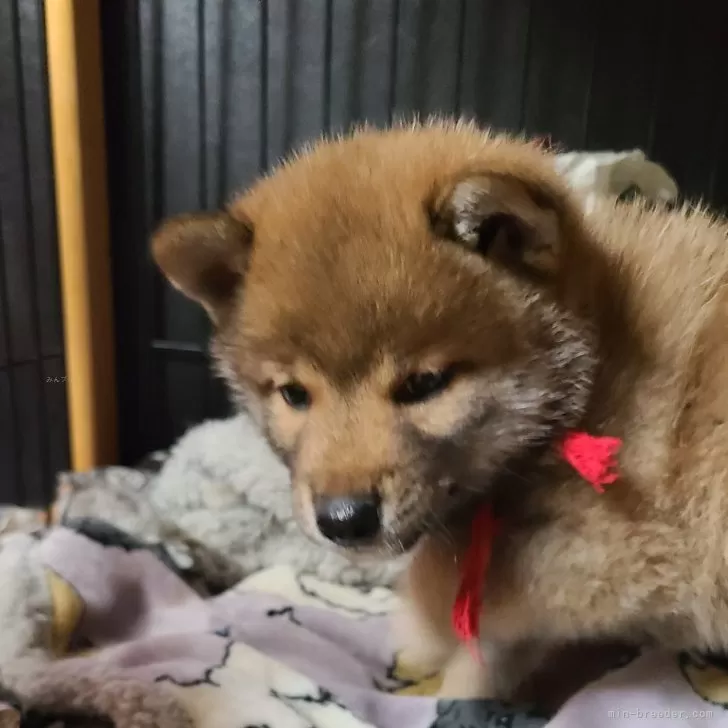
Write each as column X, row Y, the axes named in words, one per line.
column 73, row 33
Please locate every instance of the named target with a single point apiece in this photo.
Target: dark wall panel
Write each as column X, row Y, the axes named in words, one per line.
column 428, row 68
column 625, row 73
column 561, row 51
column 689, row 114
column 11, row 492
column 363, row 48
column 33, row 426
column 296, row 68
column 236, row 99
column 494, row 58
column 205, row 94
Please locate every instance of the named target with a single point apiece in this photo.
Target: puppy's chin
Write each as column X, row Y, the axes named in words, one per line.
column 387, row 546
column 401, row 542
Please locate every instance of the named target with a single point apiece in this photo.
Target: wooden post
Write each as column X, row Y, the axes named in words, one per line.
column 73, row 33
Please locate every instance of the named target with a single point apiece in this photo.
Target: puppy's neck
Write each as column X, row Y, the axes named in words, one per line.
column 633, row 394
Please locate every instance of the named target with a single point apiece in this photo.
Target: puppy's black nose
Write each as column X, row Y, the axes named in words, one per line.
column 350, row 520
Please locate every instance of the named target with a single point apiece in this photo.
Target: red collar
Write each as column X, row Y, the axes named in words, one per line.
column 594, row 458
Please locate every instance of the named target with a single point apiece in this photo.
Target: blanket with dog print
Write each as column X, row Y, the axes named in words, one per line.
column 96, row 626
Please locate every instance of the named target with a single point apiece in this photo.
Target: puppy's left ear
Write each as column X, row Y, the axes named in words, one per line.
column 504, row 219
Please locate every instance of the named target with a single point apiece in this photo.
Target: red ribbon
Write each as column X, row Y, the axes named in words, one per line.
column 594, row 458
column 466, row 610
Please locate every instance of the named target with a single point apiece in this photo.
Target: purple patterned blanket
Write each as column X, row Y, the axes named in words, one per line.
column 94, row 626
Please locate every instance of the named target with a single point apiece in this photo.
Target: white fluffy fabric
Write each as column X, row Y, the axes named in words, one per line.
column 597, row 175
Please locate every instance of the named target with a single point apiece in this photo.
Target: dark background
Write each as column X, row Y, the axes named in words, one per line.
column 33, row 430
column 203, row 95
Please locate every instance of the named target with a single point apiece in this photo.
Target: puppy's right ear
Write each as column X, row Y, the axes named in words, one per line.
column 204, row 256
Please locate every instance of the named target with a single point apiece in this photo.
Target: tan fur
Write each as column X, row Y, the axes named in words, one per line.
column 357, row 267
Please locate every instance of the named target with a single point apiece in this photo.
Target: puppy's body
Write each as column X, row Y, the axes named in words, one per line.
column 384, row 256
column 647, row 561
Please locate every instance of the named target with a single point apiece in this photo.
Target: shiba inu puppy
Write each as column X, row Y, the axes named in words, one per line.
column 416, row 317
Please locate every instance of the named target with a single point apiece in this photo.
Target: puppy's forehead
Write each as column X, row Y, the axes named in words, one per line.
column 349, row 302
column 374, row 183
column 339, row 194
column 345, row 266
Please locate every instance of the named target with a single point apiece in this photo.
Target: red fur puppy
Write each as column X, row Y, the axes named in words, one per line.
column 417, row 317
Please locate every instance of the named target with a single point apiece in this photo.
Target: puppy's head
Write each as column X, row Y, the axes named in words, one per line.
column 393, row 308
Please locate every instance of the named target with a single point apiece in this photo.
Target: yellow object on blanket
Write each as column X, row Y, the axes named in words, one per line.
column 67, row 612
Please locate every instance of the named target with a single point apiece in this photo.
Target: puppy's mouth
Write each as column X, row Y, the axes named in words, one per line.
column 388, row 544
column 431, row 516
column 424, row 511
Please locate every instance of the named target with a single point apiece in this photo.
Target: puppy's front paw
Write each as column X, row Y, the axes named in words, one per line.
column 418, row 644
column 499, row 674
column 419, row 662
column 467, row 678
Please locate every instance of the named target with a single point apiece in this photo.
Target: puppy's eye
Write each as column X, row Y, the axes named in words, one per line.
column 421, row 386
column 295, row 396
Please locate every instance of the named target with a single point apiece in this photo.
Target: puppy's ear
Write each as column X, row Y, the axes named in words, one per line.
column 505, row 219
column 204, row 256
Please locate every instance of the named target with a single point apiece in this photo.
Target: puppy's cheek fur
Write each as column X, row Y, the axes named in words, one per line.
column 223, row 365
column 303, row 509
column 445, row 415
column 283, row 423
column 406, row 498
